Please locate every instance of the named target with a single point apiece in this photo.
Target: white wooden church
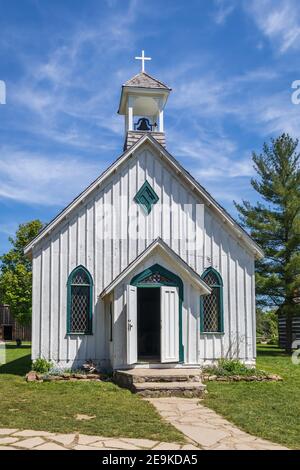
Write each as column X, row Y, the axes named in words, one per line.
column 144, row 268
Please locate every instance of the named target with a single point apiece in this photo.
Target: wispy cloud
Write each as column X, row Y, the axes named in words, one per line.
column 223, row 9
column 206, row 104
column 40, row 180
column 70, row 89
column 8, row 229
column 65, row 100
column 278, row 20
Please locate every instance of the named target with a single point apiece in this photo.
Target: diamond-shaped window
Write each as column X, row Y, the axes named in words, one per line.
column 146, row 197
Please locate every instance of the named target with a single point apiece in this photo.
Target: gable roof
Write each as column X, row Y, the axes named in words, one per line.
column 230, row 223
column 159, row 245
column 144, row 80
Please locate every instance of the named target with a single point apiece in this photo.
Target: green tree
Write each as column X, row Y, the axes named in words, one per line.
column 267, row 326
column 274, row 222
column 16, row 275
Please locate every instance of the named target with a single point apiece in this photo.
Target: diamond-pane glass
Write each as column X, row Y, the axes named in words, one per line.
column 211, row 309
column 156, row 278
column 211, row 279
column 80, row 302
column 211, row 304
column 80, row 309
column 80, row 277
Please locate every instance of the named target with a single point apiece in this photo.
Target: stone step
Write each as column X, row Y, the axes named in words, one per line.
column 161, row 389
column 133, row 376
column 167, row 378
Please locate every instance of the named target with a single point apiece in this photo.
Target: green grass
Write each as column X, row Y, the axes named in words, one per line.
column 270, row 410
column 53, row 406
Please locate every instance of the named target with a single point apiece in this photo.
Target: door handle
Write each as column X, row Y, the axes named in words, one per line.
column 130, row 325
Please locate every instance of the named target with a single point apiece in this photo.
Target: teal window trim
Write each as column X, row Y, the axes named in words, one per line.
column 219, row 286
column 146, row 197
column 174, row 280
column 89, row 330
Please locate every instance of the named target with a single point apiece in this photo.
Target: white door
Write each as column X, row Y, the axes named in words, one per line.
column 169, row 311
column 131, row 324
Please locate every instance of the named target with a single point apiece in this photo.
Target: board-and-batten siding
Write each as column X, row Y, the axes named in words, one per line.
column 79, row 240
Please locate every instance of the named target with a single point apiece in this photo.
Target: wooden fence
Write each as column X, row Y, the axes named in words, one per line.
column 10, row 329
column 282, row 329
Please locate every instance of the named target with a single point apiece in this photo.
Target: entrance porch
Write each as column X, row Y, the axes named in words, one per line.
column 161, row 382
column 153, row 308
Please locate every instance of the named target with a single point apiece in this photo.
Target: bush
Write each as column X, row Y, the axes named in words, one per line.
column 229, row 367
column 41, row 365
column 233, row 367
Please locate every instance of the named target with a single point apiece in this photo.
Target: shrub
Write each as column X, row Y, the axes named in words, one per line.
column 41, row 365
column 233, row 367
column 228, row 367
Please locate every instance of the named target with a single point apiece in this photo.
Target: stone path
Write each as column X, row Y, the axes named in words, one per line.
column 13, row 439
column 203, row 428
column 206, row 428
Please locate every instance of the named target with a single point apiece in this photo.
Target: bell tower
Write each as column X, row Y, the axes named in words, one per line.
column 142, row 103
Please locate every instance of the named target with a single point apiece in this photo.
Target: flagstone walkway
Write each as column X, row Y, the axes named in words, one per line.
column 13, row 439
column 203, row 428
column 206, row 428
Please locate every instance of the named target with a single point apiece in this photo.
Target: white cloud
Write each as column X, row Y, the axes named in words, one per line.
column 278, row 20
column 69, row 89
column 224, row 8
column 207, row 147
column 207, row 104
column 8, row 228
column 216, row 96
column 43, row 180
column 227, row 168
column 276, row 114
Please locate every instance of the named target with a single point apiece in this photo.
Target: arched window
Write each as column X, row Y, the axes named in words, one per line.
column 211, row 319
column 80, row 301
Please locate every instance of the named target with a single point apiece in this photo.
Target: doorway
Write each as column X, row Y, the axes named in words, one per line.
column 7, row 332
column 148, row 324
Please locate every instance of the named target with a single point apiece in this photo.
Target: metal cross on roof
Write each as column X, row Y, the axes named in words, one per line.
column 143, row 58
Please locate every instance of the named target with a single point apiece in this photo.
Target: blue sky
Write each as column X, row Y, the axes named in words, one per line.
column 230, row 64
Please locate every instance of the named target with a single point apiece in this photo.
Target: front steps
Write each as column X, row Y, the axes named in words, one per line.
column 161, row 382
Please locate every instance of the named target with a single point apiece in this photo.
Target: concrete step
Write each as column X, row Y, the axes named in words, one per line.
column 160, row 389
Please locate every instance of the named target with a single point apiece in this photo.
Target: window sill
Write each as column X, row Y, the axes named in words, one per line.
column 79, row 334
column 219, row 333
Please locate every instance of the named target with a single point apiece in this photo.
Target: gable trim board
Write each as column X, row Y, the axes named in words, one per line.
column 231, row 224
column 160, row 246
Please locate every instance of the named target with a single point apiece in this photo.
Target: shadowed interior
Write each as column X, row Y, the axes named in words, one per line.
column 148, row 321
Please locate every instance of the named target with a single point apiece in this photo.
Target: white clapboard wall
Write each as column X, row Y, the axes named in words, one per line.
column 79, row 240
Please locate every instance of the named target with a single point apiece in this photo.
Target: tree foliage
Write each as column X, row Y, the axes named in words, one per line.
column 267, row 326
column 274, row 222
column 16, row 275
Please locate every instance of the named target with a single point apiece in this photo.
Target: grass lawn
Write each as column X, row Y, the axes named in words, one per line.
column 54, row 406
column 269, row 410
